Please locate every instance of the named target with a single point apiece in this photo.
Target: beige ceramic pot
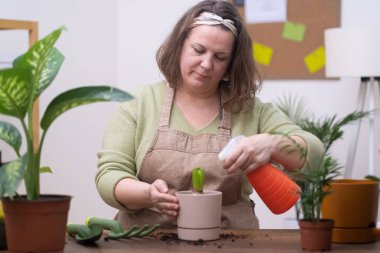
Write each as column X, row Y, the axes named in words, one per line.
column 199, row 215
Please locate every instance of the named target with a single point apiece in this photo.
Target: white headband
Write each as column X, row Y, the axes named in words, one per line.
column 208, row 18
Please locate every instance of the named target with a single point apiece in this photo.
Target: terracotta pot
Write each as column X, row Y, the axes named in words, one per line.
column 353, row 204
column 40, row 225
column 3, row 240
column 199, row 216
column 275, row 188
column 316, row 235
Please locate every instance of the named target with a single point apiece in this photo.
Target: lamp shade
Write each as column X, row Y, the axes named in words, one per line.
column 352, row 52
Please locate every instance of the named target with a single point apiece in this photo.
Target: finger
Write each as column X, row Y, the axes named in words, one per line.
column 163, row 197
column 242, row 162
column 254, row 166
column 170, row 213
column 161, row 185
column 167, row 206
column 232, row 169
column 168, row 209
column 251, row 168
column 232, row 158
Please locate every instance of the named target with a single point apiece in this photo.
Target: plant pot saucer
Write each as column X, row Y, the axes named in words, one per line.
column 353, row 235
column 191, row 234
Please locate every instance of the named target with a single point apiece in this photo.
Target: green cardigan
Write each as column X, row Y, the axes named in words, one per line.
column 131, row 130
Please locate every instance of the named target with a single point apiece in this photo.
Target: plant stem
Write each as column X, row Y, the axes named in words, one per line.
column 31, row 177
column 38, row 155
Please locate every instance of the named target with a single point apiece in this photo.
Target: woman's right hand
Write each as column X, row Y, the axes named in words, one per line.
column 162, row 200
column 136, row 195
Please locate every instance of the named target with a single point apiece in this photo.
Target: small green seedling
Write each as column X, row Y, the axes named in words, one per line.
column 198, row 179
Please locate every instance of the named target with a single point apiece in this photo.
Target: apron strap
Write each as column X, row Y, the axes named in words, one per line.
column 224, row 127
column 166, row 109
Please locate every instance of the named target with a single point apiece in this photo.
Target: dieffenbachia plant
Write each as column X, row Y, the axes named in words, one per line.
column 20, row 86
column 198, row 179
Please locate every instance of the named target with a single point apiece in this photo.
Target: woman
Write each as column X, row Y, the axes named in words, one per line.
column 208, row 96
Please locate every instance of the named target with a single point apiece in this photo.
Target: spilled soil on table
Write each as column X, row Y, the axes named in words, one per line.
column 172, row 239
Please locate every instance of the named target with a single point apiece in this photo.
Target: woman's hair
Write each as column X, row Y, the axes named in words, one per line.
column 244, row 79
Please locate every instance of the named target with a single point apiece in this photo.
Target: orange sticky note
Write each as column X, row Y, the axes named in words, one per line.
column 262, row 53
column 315, row 60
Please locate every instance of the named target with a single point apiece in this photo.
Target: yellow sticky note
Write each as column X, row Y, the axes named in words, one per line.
column 262, row 53
column 315, row 60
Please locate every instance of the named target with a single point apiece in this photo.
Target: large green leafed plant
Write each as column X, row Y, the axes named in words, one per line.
column 315, row 184
column 20, row 86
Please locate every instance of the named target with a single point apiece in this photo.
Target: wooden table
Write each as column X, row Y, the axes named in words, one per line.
column 230, row 241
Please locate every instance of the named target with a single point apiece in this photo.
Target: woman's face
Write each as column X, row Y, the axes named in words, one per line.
column 205, row 56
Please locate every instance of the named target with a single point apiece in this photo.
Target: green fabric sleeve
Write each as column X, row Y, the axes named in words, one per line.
column 116, row 159
column 127, row 139
column 274, row 121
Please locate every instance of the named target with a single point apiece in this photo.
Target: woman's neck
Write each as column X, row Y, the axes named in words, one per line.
column 198, row 110
column 197, row 99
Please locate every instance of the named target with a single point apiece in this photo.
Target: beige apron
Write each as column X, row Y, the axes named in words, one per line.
column 172, row 156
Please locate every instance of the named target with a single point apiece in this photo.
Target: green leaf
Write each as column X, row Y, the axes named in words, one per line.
column 45, row 170
column 315, row 186
column 11, row 135
column 294, row 108
column 198, row 178
column 372, row 177
column 327, row 129
column 43, row 60
column 81, row 96
column 15, row 91
column 49, row 71
column 11, row 174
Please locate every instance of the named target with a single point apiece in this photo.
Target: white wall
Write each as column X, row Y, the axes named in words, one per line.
column 114, row 42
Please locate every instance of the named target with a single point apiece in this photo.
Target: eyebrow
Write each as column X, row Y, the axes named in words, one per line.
column 200, row 45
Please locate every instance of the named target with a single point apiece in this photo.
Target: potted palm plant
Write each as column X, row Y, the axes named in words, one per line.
column 316, row 185
column 316, row 233
column 44, row 216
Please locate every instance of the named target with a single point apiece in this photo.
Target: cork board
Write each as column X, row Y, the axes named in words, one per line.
column 287, row 60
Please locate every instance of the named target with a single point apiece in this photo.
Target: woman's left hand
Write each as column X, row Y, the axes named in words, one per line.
column 250, row 153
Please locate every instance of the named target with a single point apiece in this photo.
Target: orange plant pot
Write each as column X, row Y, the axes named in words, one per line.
column 353, row 204
column 36, row 226
column 275, row 188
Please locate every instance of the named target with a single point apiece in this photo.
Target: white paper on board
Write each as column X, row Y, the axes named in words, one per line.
column 265, row 11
